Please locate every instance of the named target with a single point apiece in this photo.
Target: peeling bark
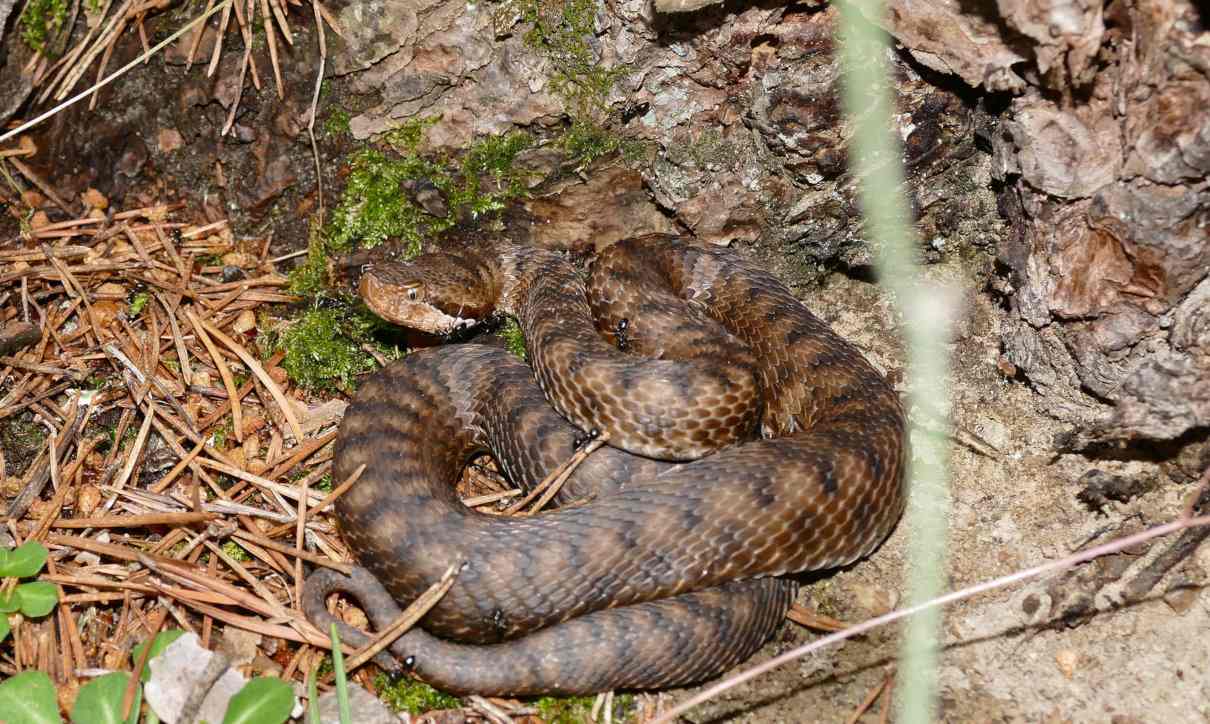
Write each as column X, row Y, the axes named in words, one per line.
column 1107, row 196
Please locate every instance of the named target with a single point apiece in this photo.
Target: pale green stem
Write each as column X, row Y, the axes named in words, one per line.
column 876, row 163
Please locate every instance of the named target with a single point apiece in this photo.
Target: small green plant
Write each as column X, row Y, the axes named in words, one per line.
column 40, row 20
column 324, row 348
column 33, row 599
column 414, row 697
column 514, row 338
column 263, row 700
column 376, row 204
column 577, row 709
column 561, row 31
column 29, row 697
column 236, row 552
column 100, row 700
column 337, row 122
column 137, row 303
column 342, row 684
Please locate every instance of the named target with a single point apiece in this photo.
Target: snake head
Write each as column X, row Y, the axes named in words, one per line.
column 435, row 293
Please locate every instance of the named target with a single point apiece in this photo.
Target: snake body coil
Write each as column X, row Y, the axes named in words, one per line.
column 665, row 575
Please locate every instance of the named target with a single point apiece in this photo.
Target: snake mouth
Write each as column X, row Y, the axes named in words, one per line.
column 391, row 302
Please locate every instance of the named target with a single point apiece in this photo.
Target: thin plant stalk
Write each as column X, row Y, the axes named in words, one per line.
column 876, row 163
column 342, row 684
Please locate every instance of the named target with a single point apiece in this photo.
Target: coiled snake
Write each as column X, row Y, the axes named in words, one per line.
column 661, row 574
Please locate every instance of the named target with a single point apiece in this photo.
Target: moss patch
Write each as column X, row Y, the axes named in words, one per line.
column 40, row 20
column 561, row 32
column 577, row 710
column 337, row 122
column 378, row 203
column 514, row 338
column 323, row 349
column 236, row 552
column 137, row 302
column 219, row 437
column 414, row 697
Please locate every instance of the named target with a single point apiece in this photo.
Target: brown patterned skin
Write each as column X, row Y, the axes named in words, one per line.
column 822, row 489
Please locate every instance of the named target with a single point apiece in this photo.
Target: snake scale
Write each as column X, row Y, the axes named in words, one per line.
column 790, row 446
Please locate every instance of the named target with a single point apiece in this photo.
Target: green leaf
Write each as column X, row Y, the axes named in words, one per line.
column 23, row 561
column 10, row 602
column 37, row 598
column 342, row 687
column 4, row 628
column 313, row 697
column 100, row 700
column 264, row 700
column 162, row 641
column 29, row 698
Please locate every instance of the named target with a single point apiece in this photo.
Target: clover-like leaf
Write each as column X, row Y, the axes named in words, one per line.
column 23, row 561
column 37, row 598
column 29, row 698
column 100, row 700
column 264, row 700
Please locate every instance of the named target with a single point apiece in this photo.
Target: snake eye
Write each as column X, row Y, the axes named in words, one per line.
column 412, row 294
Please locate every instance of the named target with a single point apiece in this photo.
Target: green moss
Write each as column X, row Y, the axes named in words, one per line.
column 310, row 278
column 577, row 710
column 236, row 552
column 137, row 303
column 514, row 338
column 323, row 348
column 132, row 431
column 40, row 20
column 414, row 697
column 584, row 142
column 337, row 122
column 554, row 710
column 324, row 484
column 325, row 667
column 376, row 204
column 560, row 31
column 222, row 434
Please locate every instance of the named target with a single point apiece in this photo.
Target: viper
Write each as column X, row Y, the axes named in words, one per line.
column 745, row 441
